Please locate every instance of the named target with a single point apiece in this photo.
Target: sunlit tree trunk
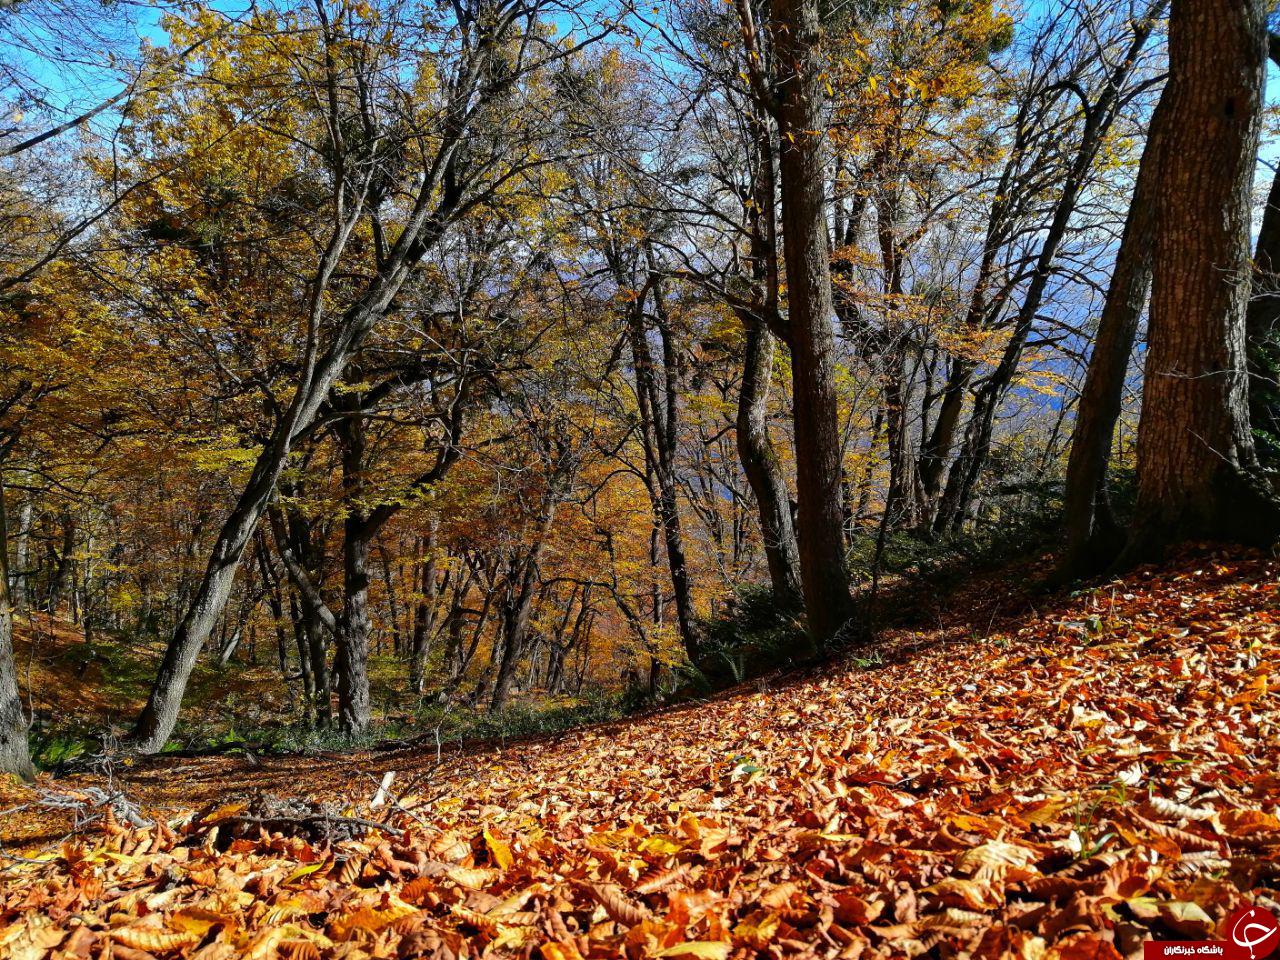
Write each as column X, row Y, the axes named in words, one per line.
column 20, row 575
column 14, row 755
column 760, row 463
column 423, row 611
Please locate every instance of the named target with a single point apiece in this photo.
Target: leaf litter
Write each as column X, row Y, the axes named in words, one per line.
column 1068, row 785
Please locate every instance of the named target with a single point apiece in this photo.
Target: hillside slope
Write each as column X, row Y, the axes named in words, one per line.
column 1067, row 782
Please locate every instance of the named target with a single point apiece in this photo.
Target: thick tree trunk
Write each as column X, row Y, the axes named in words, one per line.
column 1093, row 536
column 14, row 755
column 760, row 463
column 796, row 30
column 1196, row 459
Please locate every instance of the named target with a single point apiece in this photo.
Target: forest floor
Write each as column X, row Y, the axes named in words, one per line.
column 1018, row 773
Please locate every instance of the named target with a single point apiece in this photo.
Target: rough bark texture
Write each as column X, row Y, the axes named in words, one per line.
column 21, row 575
column 1196, row 458
column 14, row 755
column 760, row 463
column 796, row 30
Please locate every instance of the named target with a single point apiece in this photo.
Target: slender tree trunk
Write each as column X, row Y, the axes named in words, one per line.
column 657, row 394
column 393, row 600
column 761, row 466
column 61, row 577
column 901, row 498
column 1196, row 460
column 424, row 612
column 351, row 658
column 796, row 30
column 517, row 607
column 1093, row 536
column 15, row 757
column 933, row 458
column 22, row 555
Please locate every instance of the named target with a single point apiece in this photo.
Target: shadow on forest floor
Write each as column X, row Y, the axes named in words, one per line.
column 961, row 607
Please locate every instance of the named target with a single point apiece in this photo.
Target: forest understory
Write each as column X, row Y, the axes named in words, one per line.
column 1019, row 772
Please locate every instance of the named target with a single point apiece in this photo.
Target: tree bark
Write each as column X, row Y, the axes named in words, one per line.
column 351, row 655
column 61, row 576
column 1196, row 459
column 796, row 30
column 517, row 606
column 20, row 575
column 423, row 611
column 15, row 757
column 760, row 462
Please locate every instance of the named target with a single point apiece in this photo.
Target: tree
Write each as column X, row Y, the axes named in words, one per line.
column 796, row 31
column 1094, row 536
column 358, row 77
column 14, row 755
column 1197, row 468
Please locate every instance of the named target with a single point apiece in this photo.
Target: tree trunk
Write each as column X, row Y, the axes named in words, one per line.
column 760, row 463
column 351, row 657
column 1262, row 321
column 657, row 401
column 517, row 607
column 20, row 575
column 15, row 757
column 1196, row 460
column 423, row 612
column 1093, row 536
column 796, row 31
column 61, row 577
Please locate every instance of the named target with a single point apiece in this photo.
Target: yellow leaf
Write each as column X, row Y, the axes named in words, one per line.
column 303, row 871
column 498, row 849
column 153, row 940
column 699, row 949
